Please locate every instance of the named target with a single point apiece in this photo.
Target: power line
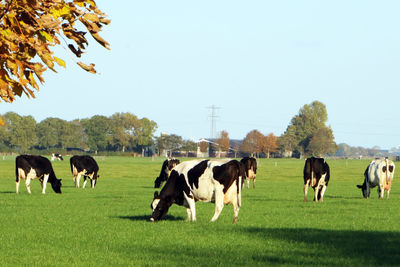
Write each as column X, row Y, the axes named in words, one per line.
column 213, row 117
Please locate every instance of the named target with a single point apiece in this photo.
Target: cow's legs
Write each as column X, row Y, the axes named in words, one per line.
column 306, row 190
column 189, row 214
column 84, row 181
column 219, row 203
column 316, row 191
column 28, row 184
column 77, row 180
column 322, row 193
column 387, row 194
column 20, row 174
column 93, row 182
column 381, row 191
column 248, row 182
column 254, row 182
column 17, row 186
column 192, row 206
column 45, row 179
column 236, row 208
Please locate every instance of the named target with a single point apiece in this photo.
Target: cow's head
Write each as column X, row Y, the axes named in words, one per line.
column 93, row 181
column 166, row 168
column 365, row 189
column 160, row 207
column 56, row 185
column 155, row 201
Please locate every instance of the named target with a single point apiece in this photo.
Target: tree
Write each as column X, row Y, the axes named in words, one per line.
column 288, row 142
column 189, row 146
column 222, row 143
column 72, row 135
column 28, row 31
column 344, row 150
column 204, row 146
column 49, row 133
column 144, row 133
column 169, row 143
column 4, row 135
column 252, row 143
column 322, row 142
column 302, row 126
column 98, row 130
column 123, row 130
column 269, row 144
column 22, row 134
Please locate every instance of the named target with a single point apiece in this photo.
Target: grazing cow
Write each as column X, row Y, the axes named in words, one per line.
column 250, row 165
column 30, row 167
column 218, row 181
column 316, row 174
column 166, row 168
column 56, row 156
column 86, row 166
column 379, row 173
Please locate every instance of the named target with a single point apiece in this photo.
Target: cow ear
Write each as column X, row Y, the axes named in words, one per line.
column 155, row 194
column 359, row 186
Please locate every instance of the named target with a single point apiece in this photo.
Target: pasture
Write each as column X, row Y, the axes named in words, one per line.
column 109, row 226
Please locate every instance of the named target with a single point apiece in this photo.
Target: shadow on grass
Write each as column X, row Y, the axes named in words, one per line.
column 7, row 192
column 343, row 197
column 147, row 218
column 330, row 247
column 151, row 187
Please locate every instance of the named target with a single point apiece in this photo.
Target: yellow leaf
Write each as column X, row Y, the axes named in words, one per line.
column 87, row 67
column 91, row 17
column 46, row 36
column 60, row 61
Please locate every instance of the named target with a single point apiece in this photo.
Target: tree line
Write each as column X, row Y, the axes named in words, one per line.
column 119, row 132
column 307, row 134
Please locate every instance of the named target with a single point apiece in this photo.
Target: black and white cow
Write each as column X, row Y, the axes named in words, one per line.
column 56, row 156
column 250, row 165
column 316, row 174
column 84, row 166
column 379, row 173
column 30, row 167
column 166, row 168
column 218, row 181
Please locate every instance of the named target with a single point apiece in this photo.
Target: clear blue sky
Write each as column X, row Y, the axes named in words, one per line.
column 258, row 61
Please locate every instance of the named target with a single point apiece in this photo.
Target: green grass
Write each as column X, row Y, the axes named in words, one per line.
column 108, row 226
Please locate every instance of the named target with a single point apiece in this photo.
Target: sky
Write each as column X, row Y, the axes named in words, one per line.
column 258, row 62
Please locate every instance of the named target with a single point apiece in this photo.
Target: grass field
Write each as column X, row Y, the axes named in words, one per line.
column 109, row 226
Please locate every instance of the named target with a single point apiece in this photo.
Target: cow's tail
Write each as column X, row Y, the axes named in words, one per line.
column 16, row 170
column 388, row 181
column 239, row 189
column 312, row 177
column 71, row 165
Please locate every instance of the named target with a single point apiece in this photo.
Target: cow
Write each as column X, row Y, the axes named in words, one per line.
column 250, row 165
column 379, row 173
column 166, row 168
column 84, row 166
column 30, row 167
column 56, row 156
column 218, row 181
column 316, row 174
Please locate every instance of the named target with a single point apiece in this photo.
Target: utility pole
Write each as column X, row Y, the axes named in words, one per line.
column 213, row 117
